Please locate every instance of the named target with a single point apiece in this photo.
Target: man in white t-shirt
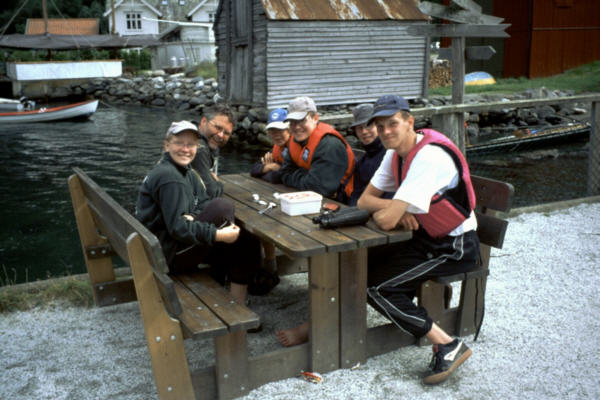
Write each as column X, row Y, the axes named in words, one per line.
column 434, row 198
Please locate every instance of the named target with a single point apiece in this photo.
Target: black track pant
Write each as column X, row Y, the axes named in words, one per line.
column 236, row 262
column 397, row 270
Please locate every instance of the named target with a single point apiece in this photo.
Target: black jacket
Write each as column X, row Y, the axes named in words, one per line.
column 204, row 162
column 168, row 192
column 365, row 169
column 328, row 166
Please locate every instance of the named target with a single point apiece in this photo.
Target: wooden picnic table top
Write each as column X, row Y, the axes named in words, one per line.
column 296, row 236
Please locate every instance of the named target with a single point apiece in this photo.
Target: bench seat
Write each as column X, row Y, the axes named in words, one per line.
column 173, row 307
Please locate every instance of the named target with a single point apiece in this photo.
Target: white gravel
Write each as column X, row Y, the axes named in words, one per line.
column 539, row 338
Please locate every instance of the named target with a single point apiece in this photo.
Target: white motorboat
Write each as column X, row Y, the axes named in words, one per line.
column 45, row 114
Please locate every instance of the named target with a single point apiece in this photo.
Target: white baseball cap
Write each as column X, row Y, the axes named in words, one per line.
column 299, row 107
column 180, row 126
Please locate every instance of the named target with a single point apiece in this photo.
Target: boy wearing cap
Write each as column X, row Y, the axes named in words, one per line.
column 374, row 151
column 191, row 225
column 434, row 198
column 269, row 165
column 319, row 157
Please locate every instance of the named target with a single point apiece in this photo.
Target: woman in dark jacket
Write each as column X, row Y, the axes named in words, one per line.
column 192, row 226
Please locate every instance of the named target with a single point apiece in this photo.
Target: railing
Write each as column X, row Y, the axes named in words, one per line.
column 443, row 118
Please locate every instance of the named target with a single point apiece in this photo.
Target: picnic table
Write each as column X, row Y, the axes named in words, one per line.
column 337, row 274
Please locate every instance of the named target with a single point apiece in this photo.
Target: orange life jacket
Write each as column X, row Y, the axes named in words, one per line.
column 322, row 129
column 278, row 153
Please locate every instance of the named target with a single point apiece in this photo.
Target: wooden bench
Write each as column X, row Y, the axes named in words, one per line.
column 466, row 318
column 173, row 308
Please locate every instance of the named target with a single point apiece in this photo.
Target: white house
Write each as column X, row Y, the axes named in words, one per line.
column 133, row 17
column 184, row 27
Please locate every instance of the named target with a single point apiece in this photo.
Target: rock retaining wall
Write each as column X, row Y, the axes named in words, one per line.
column 193, row 94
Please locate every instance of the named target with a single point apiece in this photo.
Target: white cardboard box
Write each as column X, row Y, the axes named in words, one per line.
column 299, row 203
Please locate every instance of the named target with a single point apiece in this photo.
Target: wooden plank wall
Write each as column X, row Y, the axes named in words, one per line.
column 340, row 62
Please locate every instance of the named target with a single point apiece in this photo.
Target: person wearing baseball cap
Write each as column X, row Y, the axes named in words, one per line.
column 278, row 130
column 319, row 157
column 192, row 225
column 374, row 151
column 433, row 197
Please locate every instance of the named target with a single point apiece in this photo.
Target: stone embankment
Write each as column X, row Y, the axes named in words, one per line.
column 193, row 94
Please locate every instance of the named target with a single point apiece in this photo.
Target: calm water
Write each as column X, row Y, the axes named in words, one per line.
column 117, row 147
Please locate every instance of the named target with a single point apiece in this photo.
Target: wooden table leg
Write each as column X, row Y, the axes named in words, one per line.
column 324, row 336
column 353, row 307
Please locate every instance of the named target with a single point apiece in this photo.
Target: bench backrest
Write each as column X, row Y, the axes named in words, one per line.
column 492, row 197
column 116, row 224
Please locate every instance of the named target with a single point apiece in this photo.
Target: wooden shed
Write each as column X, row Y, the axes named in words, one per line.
column 335, row 51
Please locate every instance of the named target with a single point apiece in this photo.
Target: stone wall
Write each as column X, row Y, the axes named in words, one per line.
column 193, row 94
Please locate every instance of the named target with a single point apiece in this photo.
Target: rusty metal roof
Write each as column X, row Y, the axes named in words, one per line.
column 342, row 9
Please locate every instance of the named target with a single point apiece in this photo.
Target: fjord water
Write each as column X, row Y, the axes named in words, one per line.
column 117, row 147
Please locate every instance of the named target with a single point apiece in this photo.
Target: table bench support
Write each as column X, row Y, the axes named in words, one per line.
column 353, row 307
column 232, row 368
column 163, row 333
column 100, row 269
column 324, row 293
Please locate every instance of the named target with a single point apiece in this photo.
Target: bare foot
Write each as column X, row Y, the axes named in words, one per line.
column 293, row 336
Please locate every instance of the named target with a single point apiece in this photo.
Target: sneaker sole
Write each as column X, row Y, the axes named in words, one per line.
column 442, row 376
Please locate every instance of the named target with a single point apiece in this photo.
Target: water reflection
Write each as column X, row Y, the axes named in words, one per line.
column 117, row 148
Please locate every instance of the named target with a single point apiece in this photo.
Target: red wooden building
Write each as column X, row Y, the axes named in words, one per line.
column 547, row 37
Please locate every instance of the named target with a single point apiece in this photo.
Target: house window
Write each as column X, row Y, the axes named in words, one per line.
column 134, row 21
column 211, row 17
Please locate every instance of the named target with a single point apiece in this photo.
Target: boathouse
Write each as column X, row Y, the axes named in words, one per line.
column 336, row 51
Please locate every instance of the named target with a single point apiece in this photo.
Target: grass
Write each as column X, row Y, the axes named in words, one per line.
column 206, row 69
column 68, row 290
column 585, row 78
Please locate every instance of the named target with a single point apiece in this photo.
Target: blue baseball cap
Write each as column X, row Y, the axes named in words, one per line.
column 277, row 119
column 388, row 105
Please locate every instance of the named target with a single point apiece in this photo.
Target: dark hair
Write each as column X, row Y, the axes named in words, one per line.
column 219, row 109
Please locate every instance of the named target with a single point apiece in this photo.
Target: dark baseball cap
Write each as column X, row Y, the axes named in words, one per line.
column 362, row 113
column 388, row 105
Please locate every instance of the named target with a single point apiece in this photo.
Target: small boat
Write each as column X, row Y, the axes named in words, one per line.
column 531, row 138
column 23, row 104
column 45, row 114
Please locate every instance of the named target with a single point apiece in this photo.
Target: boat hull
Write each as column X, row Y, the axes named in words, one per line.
column 553, row 137
column 72, row 111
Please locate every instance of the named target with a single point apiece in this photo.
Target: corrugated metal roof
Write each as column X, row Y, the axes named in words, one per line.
column 63, row 26
column 342, row 9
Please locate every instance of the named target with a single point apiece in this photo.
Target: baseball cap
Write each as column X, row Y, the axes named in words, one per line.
column 362, row 113
column 299, row 107
column 388, row 105
column 277, row 119
column 177, row 127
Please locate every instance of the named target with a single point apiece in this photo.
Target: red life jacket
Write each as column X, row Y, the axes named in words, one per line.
column 452, row 207
column 277, row 153
column 314, row 139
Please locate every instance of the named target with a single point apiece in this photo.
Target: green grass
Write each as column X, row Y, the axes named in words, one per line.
column 206, row 69
column 583, row 79
column 69, row 290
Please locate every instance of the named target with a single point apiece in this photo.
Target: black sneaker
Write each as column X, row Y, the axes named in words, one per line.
column 446, row 358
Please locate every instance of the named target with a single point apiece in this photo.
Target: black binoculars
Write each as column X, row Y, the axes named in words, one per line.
column 345, row 217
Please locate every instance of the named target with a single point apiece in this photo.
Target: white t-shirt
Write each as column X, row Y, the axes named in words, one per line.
column 431, row 171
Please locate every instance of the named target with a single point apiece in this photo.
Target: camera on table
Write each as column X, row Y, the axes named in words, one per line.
column 345, row 217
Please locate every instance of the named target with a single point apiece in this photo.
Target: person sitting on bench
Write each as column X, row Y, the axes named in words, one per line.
column 192, row 226
column 435, row 199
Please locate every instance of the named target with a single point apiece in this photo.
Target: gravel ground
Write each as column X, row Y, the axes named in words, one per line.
column 539, row 338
